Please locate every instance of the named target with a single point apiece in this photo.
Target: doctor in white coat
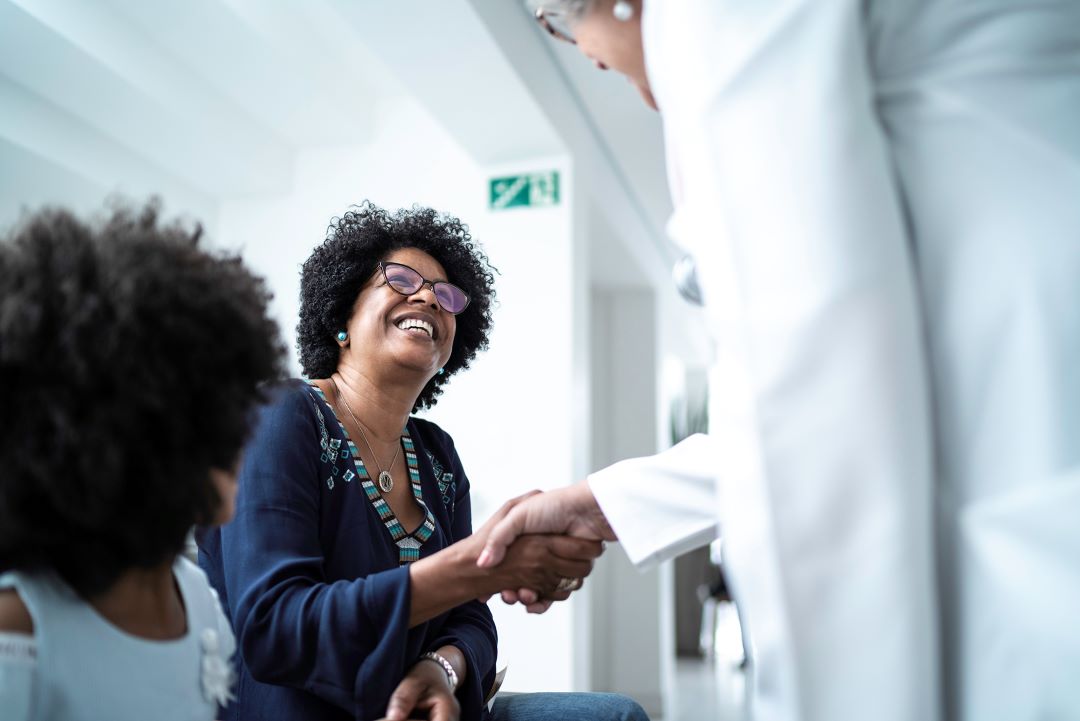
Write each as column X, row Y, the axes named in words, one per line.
column 883, row 200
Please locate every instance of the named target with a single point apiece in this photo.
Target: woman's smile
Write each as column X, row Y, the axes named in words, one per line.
column 415, row 324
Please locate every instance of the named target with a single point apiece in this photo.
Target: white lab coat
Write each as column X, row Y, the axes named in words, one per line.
column 883, row 198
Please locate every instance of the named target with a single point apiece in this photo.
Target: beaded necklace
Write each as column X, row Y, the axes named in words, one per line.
column 408, row 544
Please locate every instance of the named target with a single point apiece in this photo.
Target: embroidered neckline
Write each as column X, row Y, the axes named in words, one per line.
column 447, row 484
column 408, row 544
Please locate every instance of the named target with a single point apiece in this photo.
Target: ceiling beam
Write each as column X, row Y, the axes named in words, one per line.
column 444, row 55
column 99, row 69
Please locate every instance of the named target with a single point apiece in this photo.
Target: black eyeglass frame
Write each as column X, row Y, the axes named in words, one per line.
column 424, row 282
column 541, row 17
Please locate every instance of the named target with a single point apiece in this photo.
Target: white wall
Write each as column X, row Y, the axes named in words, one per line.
column 517, row 409
column 633, row 650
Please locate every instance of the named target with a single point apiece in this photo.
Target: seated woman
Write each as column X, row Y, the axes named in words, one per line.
column 350, row 573
column 130, row 363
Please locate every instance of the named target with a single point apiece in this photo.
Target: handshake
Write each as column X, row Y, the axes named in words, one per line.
column 535, row 550
column 538, row 548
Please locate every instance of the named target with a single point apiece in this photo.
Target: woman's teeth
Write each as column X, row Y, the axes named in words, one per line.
column 415, row 324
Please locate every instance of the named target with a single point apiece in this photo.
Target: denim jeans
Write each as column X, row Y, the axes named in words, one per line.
column 566, row 707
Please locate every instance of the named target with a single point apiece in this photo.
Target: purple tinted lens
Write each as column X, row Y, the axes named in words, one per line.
column 402, row 278
column 451, row 298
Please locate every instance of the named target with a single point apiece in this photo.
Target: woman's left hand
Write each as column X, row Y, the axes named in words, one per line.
column 424, row 688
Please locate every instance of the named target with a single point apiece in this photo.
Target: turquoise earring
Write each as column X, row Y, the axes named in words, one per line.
column 440, row 372
column 342, row 336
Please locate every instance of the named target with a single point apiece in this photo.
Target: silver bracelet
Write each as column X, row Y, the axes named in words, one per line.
column 451, row 674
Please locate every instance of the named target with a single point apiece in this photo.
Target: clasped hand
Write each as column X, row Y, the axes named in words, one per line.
column 544, row 544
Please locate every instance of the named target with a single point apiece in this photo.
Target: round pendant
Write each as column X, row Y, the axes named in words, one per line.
column 386, row 482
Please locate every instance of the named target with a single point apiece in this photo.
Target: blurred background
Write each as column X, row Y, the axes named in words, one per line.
column 264, row 119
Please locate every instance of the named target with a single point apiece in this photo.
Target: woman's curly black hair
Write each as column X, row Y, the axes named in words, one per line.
column 355, row 243
column 131, row 363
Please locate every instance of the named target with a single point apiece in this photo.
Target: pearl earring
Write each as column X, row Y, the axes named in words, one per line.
column 623, row 10
column 342, row 336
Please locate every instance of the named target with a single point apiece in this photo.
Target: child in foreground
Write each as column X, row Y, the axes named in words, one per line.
column 131, row 363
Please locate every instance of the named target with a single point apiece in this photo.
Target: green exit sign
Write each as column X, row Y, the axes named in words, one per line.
column 537, row 190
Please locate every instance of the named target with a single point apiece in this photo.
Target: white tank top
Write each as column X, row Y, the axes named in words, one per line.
column 86, row 669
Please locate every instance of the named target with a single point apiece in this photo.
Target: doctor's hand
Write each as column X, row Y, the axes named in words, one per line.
column 572, row 511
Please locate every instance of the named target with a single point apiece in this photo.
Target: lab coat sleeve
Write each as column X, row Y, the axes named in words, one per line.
column 821, row 414
column 651, row 526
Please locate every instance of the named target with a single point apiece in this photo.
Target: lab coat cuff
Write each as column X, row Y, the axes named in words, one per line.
column 657, row 509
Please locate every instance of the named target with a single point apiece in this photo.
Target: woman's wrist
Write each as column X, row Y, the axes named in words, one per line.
column 462, row 571
column 447, row 579
column 436, row 658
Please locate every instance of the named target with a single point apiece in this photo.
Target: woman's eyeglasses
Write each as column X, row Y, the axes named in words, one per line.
column 407, row 281
column 556, row 24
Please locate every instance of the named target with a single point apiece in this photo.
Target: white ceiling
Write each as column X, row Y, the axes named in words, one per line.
column 213, row 98
column 218, row 93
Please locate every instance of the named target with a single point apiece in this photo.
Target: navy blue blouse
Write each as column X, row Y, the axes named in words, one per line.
column 309, row 575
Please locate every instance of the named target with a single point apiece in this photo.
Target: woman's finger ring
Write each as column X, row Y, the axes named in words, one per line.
column 569, row 584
